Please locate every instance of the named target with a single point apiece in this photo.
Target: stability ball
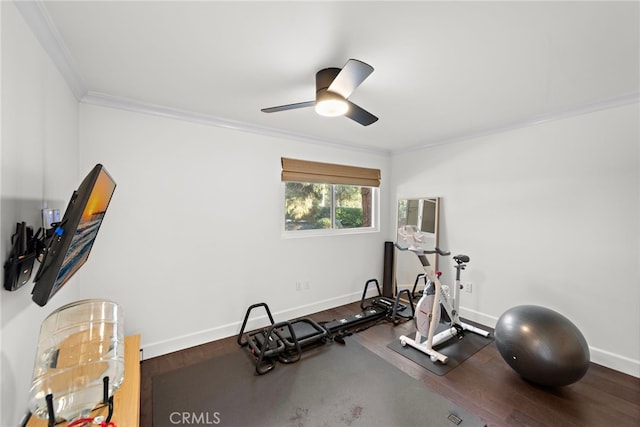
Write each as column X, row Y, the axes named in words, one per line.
column 542, row 345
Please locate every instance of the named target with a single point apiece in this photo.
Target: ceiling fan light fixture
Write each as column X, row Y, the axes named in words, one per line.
column 334, row 86
column 331, row 104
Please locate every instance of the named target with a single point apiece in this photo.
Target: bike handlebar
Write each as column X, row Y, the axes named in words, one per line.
column 425, row 251
column 438, row 251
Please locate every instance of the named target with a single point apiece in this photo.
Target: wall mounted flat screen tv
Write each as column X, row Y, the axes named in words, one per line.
column 70, row 244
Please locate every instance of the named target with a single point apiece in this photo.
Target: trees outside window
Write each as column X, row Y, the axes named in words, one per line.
column 312, row 206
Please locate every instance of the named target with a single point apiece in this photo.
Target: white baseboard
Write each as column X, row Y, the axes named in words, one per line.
column 477, row 316
column 615, row 361
column 159, row 348
column 601, row 357
column 400, row 287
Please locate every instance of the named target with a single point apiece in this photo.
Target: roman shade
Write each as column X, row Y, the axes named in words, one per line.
column 327, row 173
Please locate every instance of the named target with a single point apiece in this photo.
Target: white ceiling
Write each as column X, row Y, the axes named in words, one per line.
column 443, row 70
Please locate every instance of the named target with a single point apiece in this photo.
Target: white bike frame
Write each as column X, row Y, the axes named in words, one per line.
column 452, row 309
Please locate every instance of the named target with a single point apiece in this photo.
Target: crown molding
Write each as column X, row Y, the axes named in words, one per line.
column 40, row 23
column 614, row 102
column 132, row 105
column 42, row 26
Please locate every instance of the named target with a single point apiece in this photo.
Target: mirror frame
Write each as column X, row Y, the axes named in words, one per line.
column 419, row 221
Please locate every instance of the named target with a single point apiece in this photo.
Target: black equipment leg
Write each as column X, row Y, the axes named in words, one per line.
column 26, row 419
column 271, row 334
column 395, row 314
column 242, row 343
column 415, row 284
column 51, row 412
column 364, row 293
column 105, row 397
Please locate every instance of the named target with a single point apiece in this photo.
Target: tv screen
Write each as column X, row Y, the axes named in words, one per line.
column 69, row 246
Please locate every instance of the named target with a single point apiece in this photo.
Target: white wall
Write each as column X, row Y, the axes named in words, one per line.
column 193, row 232
column 39, row 153
column 549, row 215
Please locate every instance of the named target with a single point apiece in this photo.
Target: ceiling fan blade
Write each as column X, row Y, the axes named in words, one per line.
column 289, row 107
column 360, row 115
column 350, row 77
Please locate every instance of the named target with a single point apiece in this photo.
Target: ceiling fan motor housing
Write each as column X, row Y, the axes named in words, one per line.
column 324, row 78
column 329, row 103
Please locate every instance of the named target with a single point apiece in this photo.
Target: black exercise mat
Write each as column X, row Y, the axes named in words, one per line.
column 458, row 350
column 332, row 385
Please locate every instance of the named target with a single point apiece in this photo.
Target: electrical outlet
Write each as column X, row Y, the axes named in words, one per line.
column 468, row 287
column 302, row 285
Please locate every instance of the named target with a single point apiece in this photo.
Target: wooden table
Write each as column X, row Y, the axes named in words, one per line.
column 126, row 400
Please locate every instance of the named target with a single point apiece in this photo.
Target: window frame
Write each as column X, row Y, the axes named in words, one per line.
column 312, row 172
column 319, row 232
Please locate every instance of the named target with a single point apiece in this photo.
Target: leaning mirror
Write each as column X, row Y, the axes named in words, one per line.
column 421, row 215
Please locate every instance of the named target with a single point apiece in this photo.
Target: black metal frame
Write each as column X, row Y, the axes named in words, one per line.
column 395, row 315
column 51, row 415
column 268, row 344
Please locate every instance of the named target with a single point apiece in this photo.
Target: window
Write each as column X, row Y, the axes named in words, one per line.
column 322, row 196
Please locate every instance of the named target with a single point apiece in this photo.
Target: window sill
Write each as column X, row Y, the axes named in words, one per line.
column 297, row 234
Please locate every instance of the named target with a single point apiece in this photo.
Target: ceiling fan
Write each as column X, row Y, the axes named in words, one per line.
column 333, row 88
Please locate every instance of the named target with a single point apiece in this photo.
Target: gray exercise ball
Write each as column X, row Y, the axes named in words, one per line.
column 542, row 345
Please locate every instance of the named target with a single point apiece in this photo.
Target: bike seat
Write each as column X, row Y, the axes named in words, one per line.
column 460, row 259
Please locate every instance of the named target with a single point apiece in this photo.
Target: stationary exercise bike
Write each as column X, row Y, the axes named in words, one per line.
column 436, row 303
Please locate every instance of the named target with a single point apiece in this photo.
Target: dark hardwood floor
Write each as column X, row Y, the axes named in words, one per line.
column 483, row 385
